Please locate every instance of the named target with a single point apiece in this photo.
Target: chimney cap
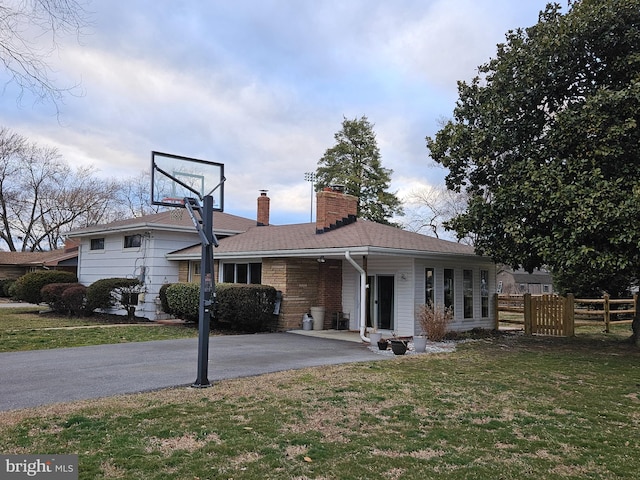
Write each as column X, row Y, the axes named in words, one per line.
column 263, row 192
column 338, row 188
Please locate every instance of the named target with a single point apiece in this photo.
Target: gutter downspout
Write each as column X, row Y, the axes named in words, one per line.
column 363, row 296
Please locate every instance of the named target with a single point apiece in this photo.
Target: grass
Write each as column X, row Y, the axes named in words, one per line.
column 497, row 408
column 26, row 329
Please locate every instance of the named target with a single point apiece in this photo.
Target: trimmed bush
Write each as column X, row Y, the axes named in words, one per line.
column 109, row 292
column 28, row 286
column 162, row 294
column 75, row 297
column 183, row 300
column 52, row 295
column 247, row 308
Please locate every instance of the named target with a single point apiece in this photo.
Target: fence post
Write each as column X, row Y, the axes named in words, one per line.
column 569, row 316
column 528, row 316
column 495, row 312
column 607, row 314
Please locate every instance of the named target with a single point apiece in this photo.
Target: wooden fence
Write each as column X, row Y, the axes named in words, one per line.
column 555, row 315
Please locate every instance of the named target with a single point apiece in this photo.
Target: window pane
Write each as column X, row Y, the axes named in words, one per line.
column 428, row 286
column 132, row 241
column 484, row 292
column 448, row 288
column 97, row 244
column 467, row 285
column 228, row 271
column 255, row 273
column 242, row 273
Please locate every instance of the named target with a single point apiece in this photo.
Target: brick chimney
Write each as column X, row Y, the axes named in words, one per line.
column 263, row 209
column 335, row 209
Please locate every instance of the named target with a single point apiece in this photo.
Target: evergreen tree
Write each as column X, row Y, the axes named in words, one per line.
column 354, row 162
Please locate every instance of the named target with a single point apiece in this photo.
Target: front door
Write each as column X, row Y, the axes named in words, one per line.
column 380, row 301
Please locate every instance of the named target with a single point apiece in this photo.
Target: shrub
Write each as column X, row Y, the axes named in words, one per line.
column 247, row 308
column 5, row 285
column 110, row 292
column 28, row 286
column 52, row 295
column 434, row 321
column 12, row 290
column 183, row 300
column 162, row 294
column 75, row 297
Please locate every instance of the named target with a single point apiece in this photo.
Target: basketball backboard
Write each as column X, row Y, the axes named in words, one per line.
column 174, row 177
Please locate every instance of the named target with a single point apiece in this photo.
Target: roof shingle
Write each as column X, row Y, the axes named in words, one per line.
column 361, row 233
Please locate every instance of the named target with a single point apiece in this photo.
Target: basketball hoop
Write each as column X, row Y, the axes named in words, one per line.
column 178, row 204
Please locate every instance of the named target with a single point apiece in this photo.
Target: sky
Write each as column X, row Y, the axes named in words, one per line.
column 262, row 86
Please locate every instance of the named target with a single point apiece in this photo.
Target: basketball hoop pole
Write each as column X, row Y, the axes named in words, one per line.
column 207, row 292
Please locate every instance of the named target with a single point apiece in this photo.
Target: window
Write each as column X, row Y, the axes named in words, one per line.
column 484, row 292
column 428, row 286
column 255, row 273
column 242, row 273
column 194, row 272
column 546, row 288
column 467, row 293
column 448, row 288
column 97, row 244
column 132, row 241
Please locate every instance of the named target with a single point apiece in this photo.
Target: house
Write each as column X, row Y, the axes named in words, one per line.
column 520, row 281
column 367, row 273
column 137, row 248
column 15, row 264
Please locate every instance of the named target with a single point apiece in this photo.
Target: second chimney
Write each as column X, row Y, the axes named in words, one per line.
column 263, row 209
column 335, row 209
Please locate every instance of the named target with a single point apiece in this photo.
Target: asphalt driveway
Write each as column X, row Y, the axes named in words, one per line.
column 34, row 378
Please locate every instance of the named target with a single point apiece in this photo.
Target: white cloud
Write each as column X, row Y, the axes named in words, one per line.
column 263, row 86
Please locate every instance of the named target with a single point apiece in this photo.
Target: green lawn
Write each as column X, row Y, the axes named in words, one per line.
column 26, row 329
column 507, row 407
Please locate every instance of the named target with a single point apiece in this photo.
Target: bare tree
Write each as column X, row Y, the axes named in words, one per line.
column 42, row 197
column 135, row 197
column 428, row 210
column 29, row 33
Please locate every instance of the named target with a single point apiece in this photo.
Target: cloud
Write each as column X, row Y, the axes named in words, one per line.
column 262, row 86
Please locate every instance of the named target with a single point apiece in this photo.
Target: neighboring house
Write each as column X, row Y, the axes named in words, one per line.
column 15, row 264
column 520, row 281
column 137, row 248
column 367, row 272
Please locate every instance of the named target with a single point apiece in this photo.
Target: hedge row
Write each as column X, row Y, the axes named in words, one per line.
column 63, row 294
column 247, row 308
column 27, row 288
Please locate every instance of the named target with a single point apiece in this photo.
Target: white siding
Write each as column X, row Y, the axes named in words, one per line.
column 147, row 262
column 458, row 265
column 409, row 289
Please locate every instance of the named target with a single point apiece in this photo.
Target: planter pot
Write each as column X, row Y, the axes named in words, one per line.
column 420, row 344
column 375, row 337
column 399, row 347
column 383, row 344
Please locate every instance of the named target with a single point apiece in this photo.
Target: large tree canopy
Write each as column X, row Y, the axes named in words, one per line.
column 546, row 142
column 354, row 161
